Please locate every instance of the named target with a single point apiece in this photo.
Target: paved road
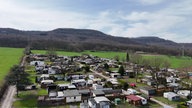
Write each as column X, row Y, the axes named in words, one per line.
column 7, row 102
column 161, row 103
column 11, row 91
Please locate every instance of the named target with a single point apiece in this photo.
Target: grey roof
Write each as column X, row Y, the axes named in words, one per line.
column 86, row 91
column 112, row 91
column 147, row 88
column 71, row 93
column 98, row 92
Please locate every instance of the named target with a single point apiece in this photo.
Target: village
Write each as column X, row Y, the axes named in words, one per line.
column 92, row 82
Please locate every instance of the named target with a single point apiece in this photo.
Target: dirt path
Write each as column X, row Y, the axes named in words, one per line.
column 8, row 98
column 100, row 74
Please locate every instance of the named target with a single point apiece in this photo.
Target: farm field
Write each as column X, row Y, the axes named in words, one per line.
column 8, row 58
column 176, row 62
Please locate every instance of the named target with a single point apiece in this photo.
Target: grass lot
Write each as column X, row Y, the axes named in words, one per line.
column 172, row 103
column 127, row 105
column 176, row 62
column 8, row 58
column 27, row 99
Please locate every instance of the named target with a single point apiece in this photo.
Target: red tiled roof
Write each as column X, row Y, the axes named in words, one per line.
column 133, row 97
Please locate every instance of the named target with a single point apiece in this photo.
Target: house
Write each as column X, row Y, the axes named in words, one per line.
column 37, row 63
column 115, row 75
column 72, row 87
column 113, row 81
column 189, row 103
column 130, row 73
column 96, row 93
column 45, row 83
column 148, row 90
column 132, row 91
column 171, row 96
column 132, row 99
column 62, row 87
column 72, row 96
column 183, row 93
column 85, row 94
column 44, row 77
column 96, row 80
column 79, row 82
column 97, row 86
column 99, row 102
column 60, row 94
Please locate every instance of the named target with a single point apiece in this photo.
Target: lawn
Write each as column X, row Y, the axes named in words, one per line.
column 27, row 99
column 166, row 101
column 8, row 58
column 176, row 62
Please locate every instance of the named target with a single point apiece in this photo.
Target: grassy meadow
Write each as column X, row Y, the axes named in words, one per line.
column 8, row 58
column 176, row 62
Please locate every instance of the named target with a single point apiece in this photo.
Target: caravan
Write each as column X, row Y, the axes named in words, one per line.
column 143, row 100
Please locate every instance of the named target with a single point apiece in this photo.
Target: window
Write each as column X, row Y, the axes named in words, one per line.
column 74, row 97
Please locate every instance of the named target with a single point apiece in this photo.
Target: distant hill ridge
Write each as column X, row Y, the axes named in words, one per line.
column 83, row 39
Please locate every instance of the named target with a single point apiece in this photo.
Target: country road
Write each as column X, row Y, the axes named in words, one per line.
column 8, row 97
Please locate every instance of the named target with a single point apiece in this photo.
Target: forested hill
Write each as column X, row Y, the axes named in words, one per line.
column 84, row 39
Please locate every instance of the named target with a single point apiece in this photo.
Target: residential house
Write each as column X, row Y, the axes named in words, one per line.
column 171, row 96
column 130, row 73
column 72, row 96
column 148, row 90
column 183, row 93
column 115, row 75
column 79, row 82
column 96, row 93
column 132, row 99
column 99, row 102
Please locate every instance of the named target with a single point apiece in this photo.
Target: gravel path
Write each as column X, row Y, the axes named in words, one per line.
column 8, row 101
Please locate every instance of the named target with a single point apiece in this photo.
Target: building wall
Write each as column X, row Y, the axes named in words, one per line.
column 73, row 99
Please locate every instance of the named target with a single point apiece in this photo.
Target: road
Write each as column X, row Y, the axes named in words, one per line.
column 8, row 98
column 100, row 74
column 7, row 102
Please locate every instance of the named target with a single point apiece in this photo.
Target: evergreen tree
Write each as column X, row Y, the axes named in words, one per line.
column 18, row 77
column 121, row 70
column 127, row 57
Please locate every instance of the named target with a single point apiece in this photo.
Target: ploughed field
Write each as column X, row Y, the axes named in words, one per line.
column 8, row 58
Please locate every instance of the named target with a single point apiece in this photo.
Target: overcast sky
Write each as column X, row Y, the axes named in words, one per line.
column 168, row 19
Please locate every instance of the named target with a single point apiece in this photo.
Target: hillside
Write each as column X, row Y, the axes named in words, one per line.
column 84, row 39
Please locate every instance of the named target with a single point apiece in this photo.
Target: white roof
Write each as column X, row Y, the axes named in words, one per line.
column 71, row 86
column 79, row 80
column 44, row 75
column 63, row 85
column 47, row 81
column 100, row 99
column 60, row 94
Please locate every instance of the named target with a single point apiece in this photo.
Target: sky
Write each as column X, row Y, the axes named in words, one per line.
column 168, row 19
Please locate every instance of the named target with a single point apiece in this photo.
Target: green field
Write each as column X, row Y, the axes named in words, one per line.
column 176, row 62
column 8, row 58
